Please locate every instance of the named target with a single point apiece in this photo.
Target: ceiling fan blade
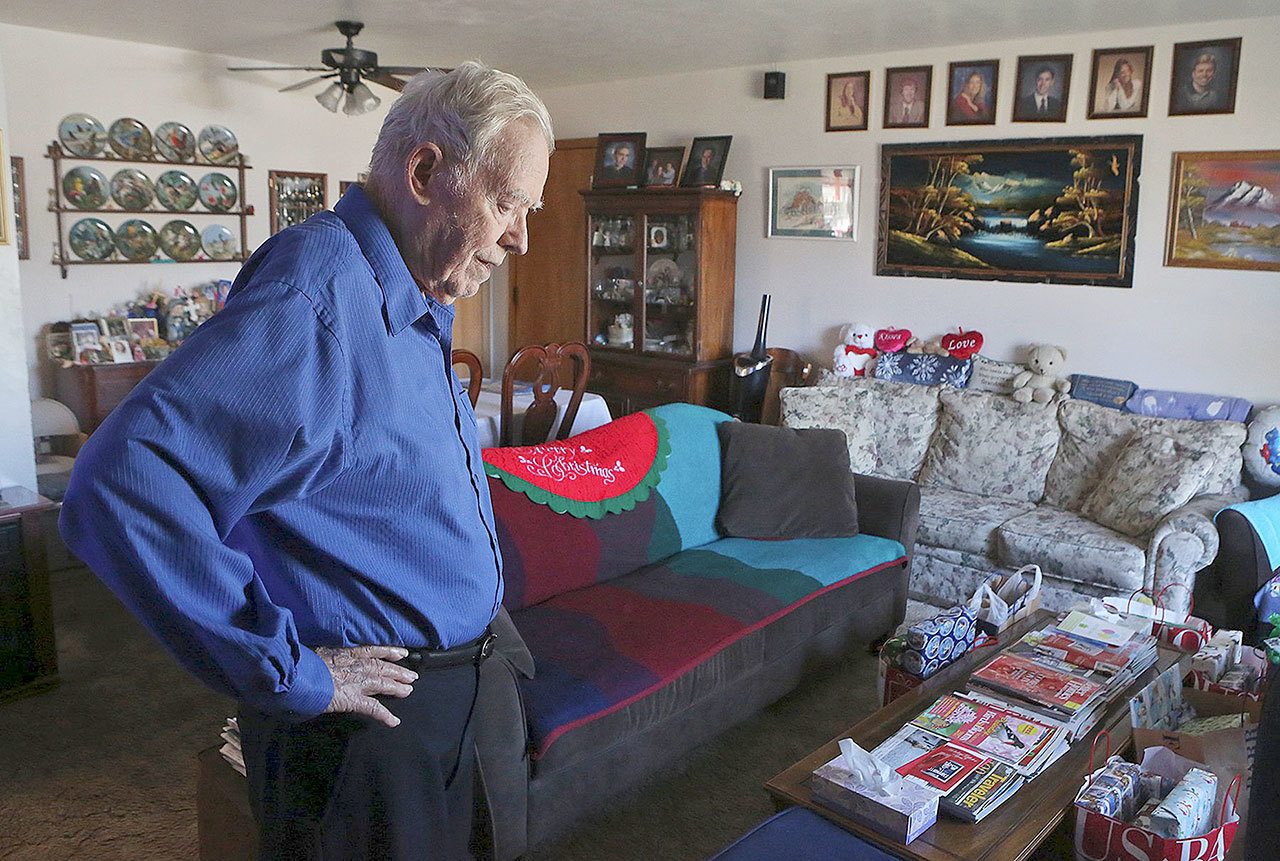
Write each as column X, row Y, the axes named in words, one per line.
column 308, row 82
column 405, row 70
column 386, row 80
column 277, row 68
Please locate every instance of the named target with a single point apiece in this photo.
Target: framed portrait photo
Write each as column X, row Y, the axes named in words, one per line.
column 906, row 97
column 971, row 92
column 813, row 203
column 1119, row 82
column 619, row 160
column 847, row 101
column 1222, row 211
column 1204, row 77
column 662, row 166
column 1043, row 85
column 707, row 156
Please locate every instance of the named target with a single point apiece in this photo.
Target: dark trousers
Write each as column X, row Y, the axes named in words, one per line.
column 346, row 787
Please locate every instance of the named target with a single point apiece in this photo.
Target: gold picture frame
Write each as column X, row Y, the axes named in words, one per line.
column 1220, row 215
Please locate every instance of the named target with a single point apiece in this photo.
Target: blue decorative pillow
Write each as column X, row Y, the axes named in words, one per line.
column 924, row 369
column 1188, row 405
column 1103, row 391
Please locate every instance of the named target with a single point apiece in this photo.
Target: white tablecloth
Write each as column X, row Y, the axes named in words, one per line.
column 592, row 413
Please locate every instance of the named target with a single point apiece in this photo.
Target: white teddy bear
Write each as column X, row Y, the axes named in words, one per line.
column 852, row 357
column 1039, row 382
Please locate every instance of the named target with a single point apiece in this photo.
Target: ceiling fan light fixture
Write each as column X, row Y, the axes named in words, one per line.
column 330, row 97
column 360, row 100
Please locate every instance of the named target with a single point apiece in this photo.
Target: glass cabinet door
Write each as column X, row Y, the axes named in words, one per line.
column 670, row 285
column 611, row 313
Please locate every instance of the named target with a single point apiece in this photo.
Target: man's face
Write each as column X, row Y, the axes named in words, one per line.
column 468, row 228
column 1202, row 75
column 909, row 92
column 1044, row 83
column 707, row 155
column 621, row 155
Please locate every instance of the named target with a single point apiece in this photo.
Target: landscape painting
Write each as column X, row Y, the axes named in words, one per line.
column 1056, row 210
column 1224, row 210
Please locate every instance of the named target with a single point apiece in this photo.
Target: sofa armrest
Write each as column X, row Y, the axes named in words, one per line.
column 1184, row 542
column 888, row 508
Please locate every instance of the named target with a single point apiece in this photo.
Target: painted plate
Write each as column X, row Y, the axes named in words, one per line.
column 131, row 189
column 218, row 145
column 180, row 239
column 175, row 142
column 85, row 187
column 218, row 242
column 176, row 190
column 92, row 239
column 136, row 239
column 82, row 135
column 130, row 138
column 217, row 192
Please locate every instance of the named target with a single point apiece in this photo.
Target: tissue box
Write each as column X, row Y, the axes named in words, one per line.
column 903, row 815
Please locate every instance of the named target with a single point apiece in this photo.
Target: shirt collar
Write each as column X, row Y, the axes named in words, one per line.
column 403, row 303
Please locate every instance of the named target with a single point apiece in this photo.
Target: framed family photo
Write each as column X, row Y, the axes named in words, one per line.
column 1118, row 82
column 619, row 160
column 1223, row 212
column 707, row 156
column 847, row 101
column 906, row 97
column 1043, row 85
column 971, row 92
column 662, row 166
column 1204, row 77
column 813, row 203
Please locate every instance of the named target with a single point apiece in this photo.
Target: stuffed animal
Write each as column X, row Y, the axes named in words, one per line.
column 933, row 347
column 1040, row 381
column 856, row 350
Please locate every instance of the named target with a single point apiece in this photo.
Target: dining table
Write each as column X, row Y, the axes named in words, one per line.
column 592, row 412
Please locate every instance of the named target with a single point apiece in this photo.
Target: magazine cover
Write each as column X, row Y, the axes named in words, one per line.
column 943, row 767
column 981, row 791
column 1039, row 684
column 987, row 730
column 1092, row 656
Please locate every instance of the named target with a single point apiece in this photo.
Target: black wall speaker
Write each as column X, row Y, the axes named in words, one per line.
column 775, row 85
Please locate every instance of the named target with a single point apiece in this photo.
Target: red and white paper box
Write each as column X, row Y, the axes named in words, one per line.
column 1248, row 658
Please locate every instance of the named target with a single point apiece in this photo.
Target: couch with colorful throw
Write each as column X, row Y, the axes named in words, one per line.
column 637, row 630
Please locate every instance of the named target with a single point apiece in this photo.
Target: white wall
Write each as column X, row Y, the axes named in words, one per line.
column 48, row 75
column 1189, row 329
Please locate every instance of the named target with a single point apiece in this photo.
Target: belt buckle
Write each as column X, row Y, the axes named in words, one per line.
column 487, row 645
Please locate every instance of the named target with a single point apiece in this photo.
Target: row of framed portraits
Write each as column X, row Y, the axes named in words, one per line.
column 623, row 161
column 1203, row 81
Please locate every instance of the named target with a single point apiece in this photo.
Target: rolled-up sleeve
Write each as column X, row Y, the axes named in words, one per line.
column 251, row 412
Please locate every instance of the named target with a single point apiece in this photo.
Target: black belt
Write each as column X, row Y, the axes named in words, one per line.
column 474, row 652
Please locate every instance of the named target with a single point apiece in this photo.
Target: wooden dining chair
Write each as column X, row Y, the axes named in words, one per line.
column 788, row 369
column 472, row 361
column 541, row 415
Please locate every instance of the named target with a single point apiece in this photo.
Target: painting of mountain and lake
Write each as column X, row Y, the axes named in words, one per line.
column 1059, row 210
column 1224, row 210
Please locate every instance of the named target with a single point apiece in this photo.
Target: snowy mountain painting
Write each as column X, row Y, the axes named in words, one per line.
column 1226, row 211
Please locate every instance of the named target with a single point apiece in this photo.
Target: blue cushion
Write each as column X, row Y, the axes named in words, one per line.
column 799, row 834
column 924, row 369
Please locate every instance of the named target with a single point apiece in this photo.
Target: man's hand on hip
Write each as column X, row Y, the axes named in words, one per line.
column 364, row 672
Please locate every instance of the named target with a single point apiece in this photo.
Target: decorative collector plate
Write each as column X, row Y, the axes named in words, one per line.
column 180, row 239
column 176, row 190
column 175, row 142
column 136, row 240
column 92, row 239
column 131, row 189
column 85, row 187
column 218, row 145
column 130, row 139
column 217, row 192
column 82, row 135
column 219, row 242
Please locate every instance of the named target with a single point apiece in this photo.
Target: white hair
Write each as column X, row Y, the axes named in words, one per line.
column 463, row 112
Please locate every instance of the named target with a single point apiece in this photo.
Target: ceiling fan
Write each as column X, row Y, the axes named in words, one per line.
column 351, row 66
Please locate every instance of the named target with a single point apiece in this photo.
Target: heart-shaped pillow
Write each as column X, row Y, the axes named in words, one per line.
column 964, row 345
column 892, row 340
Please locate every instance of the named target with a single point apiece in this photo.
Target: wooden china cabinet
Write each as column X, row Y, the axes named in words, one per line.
column 665, row 257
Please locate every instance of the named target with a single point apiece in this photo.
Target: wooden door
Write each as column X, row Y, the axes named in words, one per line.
column 547, row 298
column 471, row 323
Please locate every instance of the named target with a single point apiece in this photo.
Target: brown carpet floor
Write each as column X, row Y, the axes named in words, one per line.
column 103, row 767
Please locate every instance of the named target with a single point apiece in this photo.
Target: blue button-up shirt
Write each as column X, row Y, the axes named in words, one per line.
column 303, row 471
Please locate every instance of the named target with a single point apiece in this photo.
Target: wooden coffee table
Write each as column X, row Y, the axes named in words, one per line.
column 1014, row 829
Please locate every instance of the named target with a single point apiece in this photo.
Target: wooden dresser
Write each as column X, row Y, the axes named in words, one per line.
column 92, row 391
column 28, row 658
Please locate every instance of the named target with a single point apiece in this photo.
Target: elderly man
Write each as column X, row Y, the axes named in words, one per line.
column 294, row 502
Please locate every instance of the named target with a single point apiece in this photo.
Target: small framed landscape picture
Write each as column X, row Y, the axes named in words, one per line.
column 1223, row 210
column 847, row 101
column 906, row 97
column 619, row 160
column 813, row 203
column 1043, row 84
column 1118, row 82
column 707, row 156
column 662, row 166
column 1204, row 77
column 971, row 92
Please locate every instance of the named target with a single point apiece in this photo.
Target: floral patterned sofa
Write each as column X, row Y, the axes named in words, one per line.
column 1004, row 484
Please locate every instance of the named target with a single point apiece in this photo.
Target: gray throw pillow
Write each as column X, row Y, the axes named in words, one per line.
column 784, row 483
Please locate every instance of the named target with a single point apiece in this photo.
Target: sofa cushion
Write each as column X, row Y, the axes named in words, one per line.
column 1093, row 436
column 992, row 445
column 785, row 483
column 964, row 521
column 842, row 408
column 1152, row 476
column 903, row 418
column 604, row 647
column 1072, row 547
